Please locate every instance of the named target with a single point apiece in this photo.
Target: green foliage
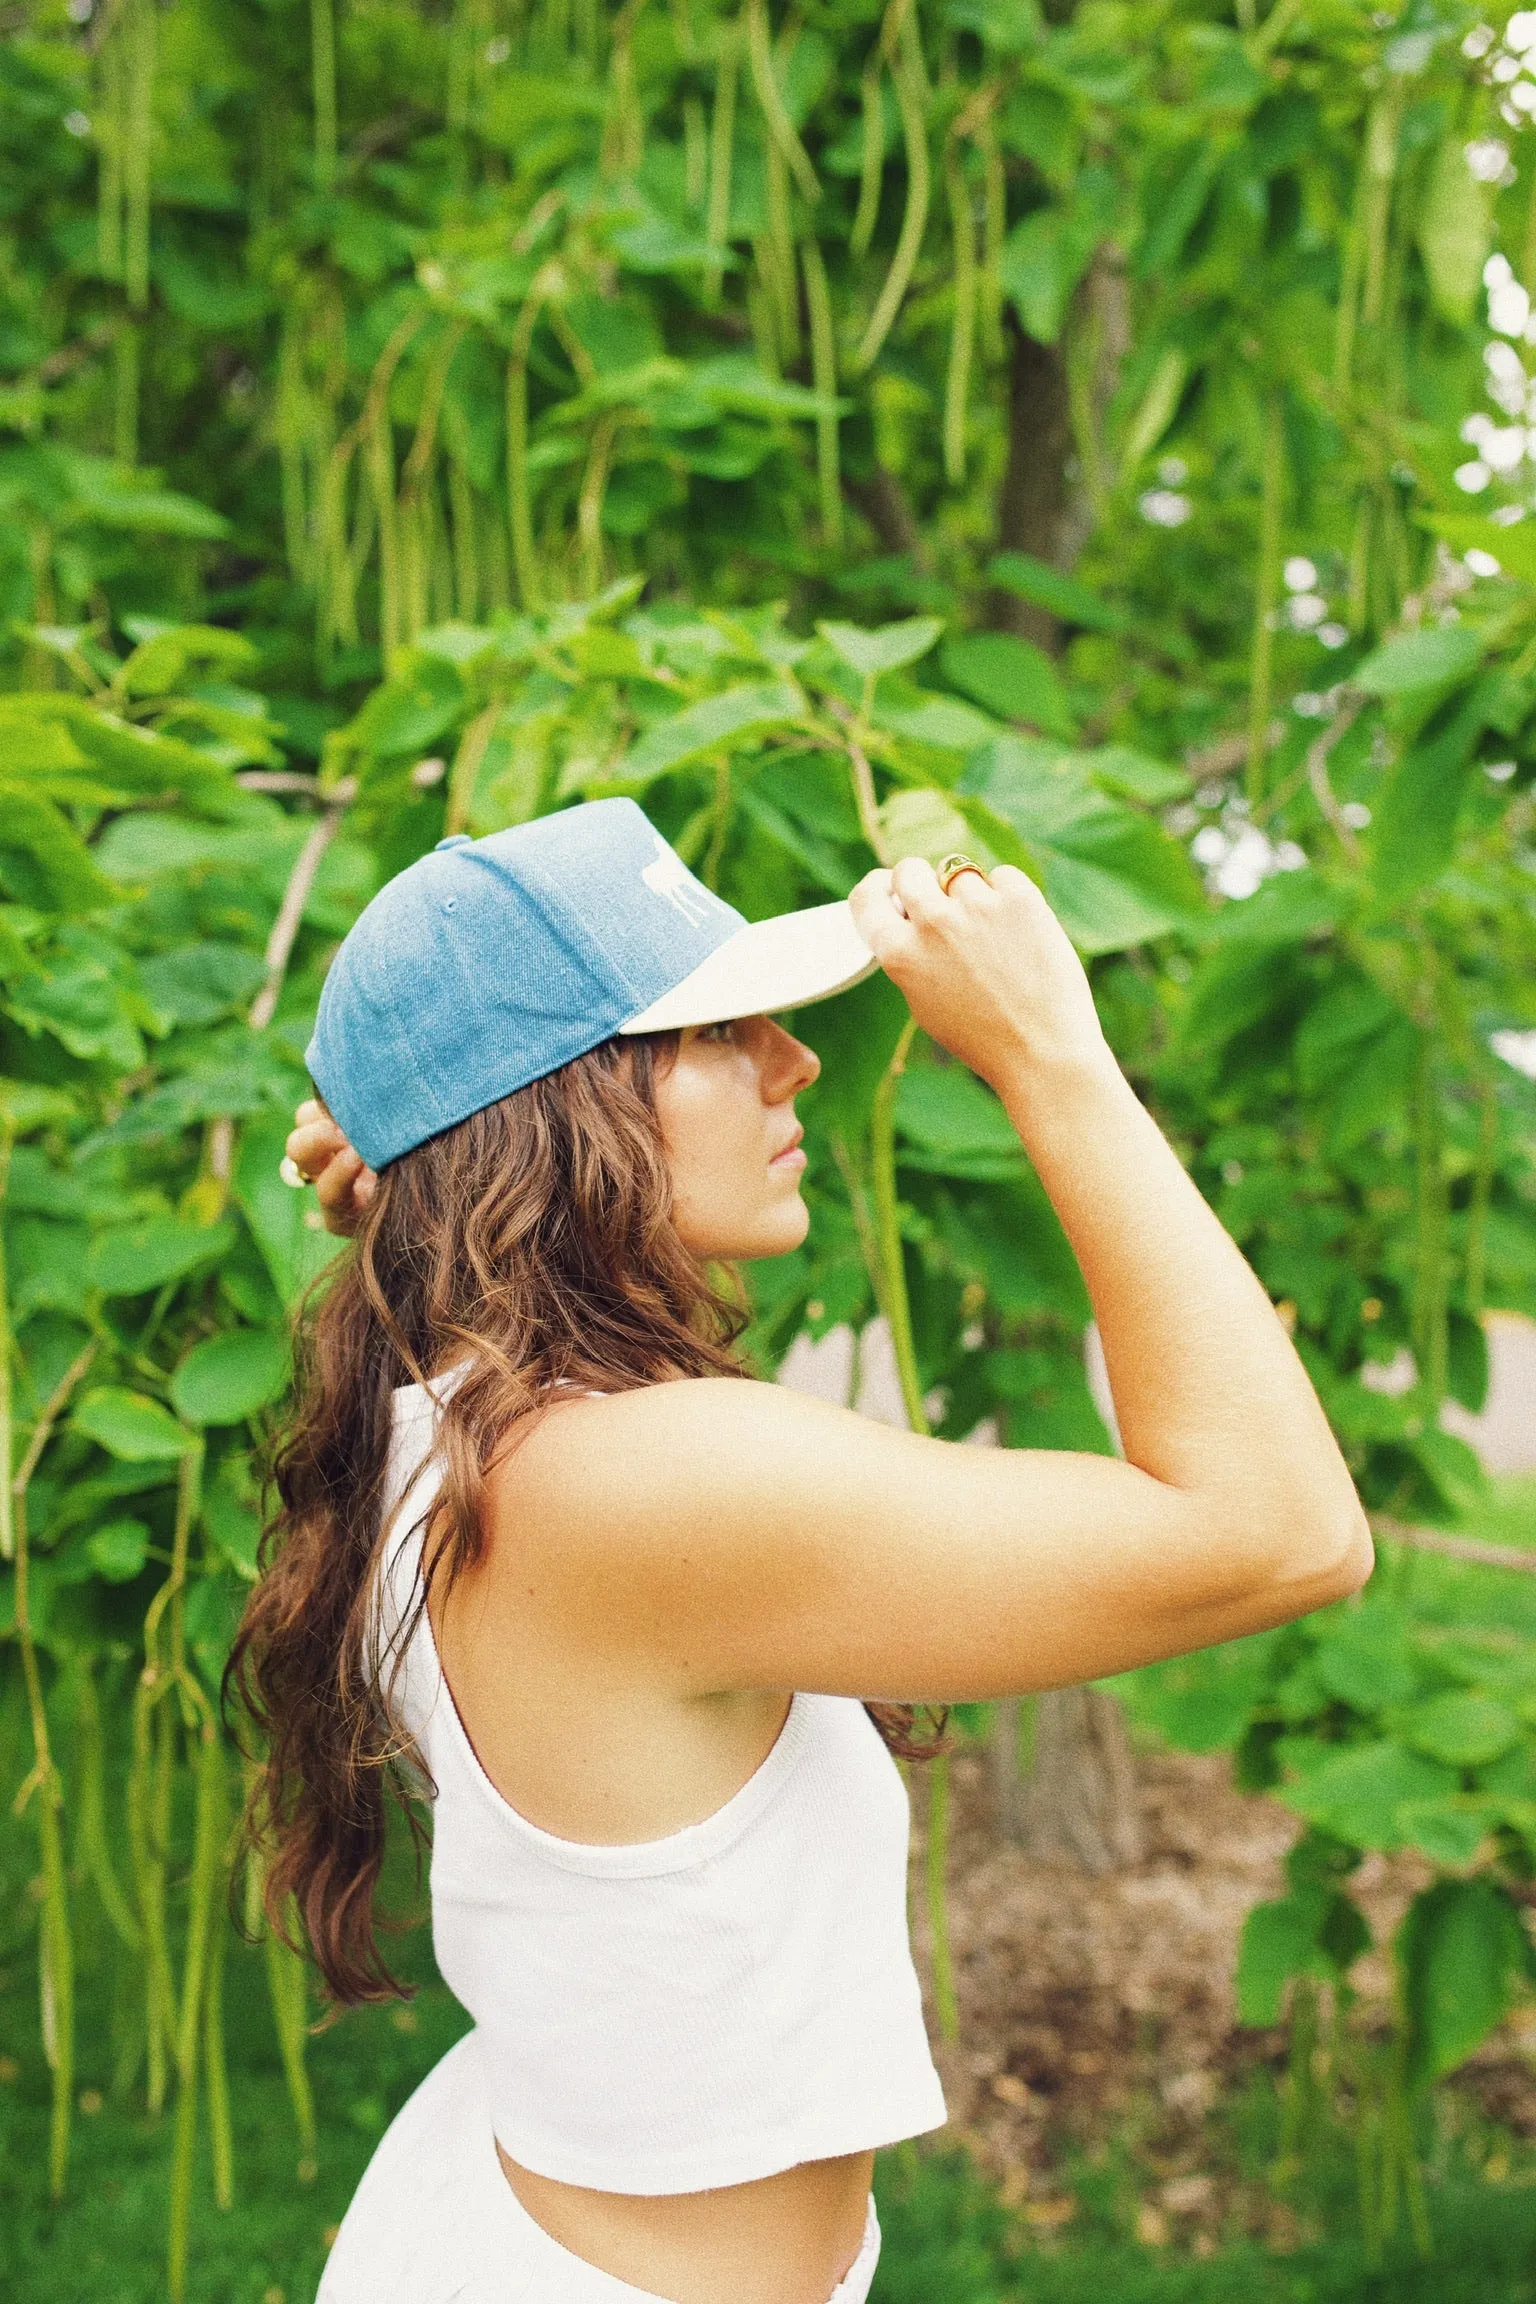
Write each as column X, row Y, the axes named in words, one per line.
column 860, row 433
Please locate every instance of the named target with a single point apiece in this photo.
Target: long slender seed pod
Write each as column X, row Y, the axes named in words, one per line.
column 493, row 559
column 1381, row 168
column 216, row 2064
column 93, row 1858
column 781, row 129
column 695, row 152
column 818, row 305
column 910, row 80
column 381, row 480
column 466, row 556
column 1432, row 1254
column 722, row 140
column 962, row 334
column 438, row 538
column 1266, row 593
column 288, row 425
column 783, row 280
column 208, row 1835
column 525, row 557
column 139, row 28
column 109, row 150
column 414, row 503
column 466, row 765
column 1476, row 1248
column 322, row 47
column 623, row 146
column 589, row 506
column 762, row 308
column 871, row 155
column 286, row 1990
column 56, row 1948
column 994, row 232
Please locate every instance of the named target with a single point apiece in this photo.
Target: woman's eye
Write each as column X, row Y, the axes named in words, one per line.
column 718, row 1033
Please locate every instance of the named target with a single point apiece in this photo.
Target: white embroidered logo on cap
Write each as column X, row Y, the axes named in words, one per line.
column 670, row 877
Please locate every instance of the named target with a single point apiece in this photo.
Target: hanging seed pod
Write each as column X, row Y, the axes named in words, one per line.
column 818, row 305
column 92, row 1856
column 722, row 137
column 111, row 102
column 1476, row 1250
column 589, row 506
column 1431, row 1288
column 461, row 502
column 1266, row 593
column 525, row 557
column 871, row 155
column 962, row 335
column 139, row 26
column 287, row 1991
column 911, row 83
column 781, row 278
column 781, row 129
column 994, row 232
column 322, row 47
column 209, row 1832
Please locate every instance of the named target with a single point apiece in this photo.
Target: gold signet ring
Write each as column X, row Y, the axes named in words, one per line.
column 952, row 867
column 292, row 1173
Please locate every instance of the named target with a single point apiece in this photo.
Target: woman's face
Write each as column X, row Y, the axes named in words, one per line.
column 726, row 1104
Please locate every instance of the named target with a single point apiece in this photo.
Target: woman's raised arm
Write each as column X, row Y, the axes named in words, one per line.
column 744, row 1536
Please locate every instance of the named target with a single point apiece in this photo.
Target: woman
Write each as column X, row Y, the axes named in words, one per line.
column 647, row 1632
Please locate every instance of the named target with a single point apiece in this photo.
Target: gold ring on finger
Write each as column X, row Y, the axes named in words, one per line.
column 292, row 1174
column 952, row 867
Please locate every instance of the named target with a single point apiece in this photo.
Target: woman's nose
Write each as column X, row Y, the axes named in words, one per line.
column 789, row 1064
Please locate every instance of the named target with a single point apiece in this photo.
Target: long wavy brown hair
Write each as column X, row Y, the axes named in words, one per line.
column 529, row 1247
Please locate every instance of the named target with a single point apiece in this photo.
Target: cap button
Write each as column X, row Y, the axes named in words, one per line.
column 456, row 840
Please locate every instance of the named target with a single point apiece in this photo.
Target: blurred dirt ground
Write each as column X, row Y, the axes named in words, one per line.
column 1095, row 2010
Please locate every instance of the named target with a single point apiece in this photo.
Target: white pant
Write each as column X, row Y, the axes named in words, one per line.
column 434, row 2220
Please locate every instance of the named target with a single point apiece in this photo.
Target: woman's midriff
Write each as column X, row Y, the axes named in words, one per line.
column 784, row 2239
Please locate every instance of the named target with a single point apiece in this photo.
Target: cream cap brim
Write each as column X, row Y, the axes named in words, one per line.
column 768, row 965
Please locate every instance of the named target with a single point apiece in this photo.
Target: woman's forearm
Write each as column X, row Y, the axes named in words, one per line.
column 1208, row 1389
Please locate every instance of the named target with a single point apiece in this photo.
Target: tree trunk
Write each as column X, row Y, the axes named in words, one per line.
column 1078, row 1804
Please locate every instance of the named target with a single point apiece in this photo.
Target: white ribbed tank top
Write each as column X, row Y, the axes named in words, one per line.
column 671, row 2015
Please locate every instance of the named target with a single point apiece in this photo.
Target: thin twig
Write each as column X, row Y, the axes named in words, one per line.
column 1350, row 706
column 280, row 943
column 53, row 1409
column 1473, row 1548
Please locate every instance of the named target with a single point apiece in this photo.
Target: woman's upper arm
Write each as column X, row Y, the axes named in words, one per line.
column 741, row 1535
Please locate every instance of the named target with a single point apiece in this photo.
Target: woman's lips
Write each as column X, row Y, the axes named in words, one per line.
column 792, row 1156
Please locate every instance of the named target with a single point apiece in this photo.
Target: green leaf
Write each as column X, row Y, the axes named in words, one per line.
column 919, row 821
column 294, row 1244
column 951, row 1124
column 1461, row 1951
column 1363, row 1657
column 229, row 1377
column 118, row 1551
column 43, row 860
column 1360, row 1793
column 412, row 711
column 1315, row 1931
column 1052, row 589
column 1415, row 828
column 886, row 649
column 1132, row 775
column 727, row 720
column 132, row 1426
column 1454, row 232
column 132, row 1259
column 1462, row 1729
column 1432, row 657
column 1009, row 677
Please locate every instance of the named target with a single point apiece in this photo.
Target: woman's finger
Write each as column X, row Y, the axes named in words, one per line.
column 878, row 916
column 343, row 1188
column 917, row 884
column 309, row 1147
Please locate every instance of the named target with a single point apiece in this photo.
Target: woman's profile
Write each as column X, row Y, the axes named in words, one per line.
column 645, row 1633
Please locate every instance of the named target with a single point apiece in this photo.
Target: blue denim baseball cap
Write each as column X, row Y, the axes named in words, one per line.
column 490, row 962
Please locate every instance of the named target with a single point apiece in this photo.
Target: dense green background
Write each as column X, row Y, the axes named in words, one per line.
column 1091, row 435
